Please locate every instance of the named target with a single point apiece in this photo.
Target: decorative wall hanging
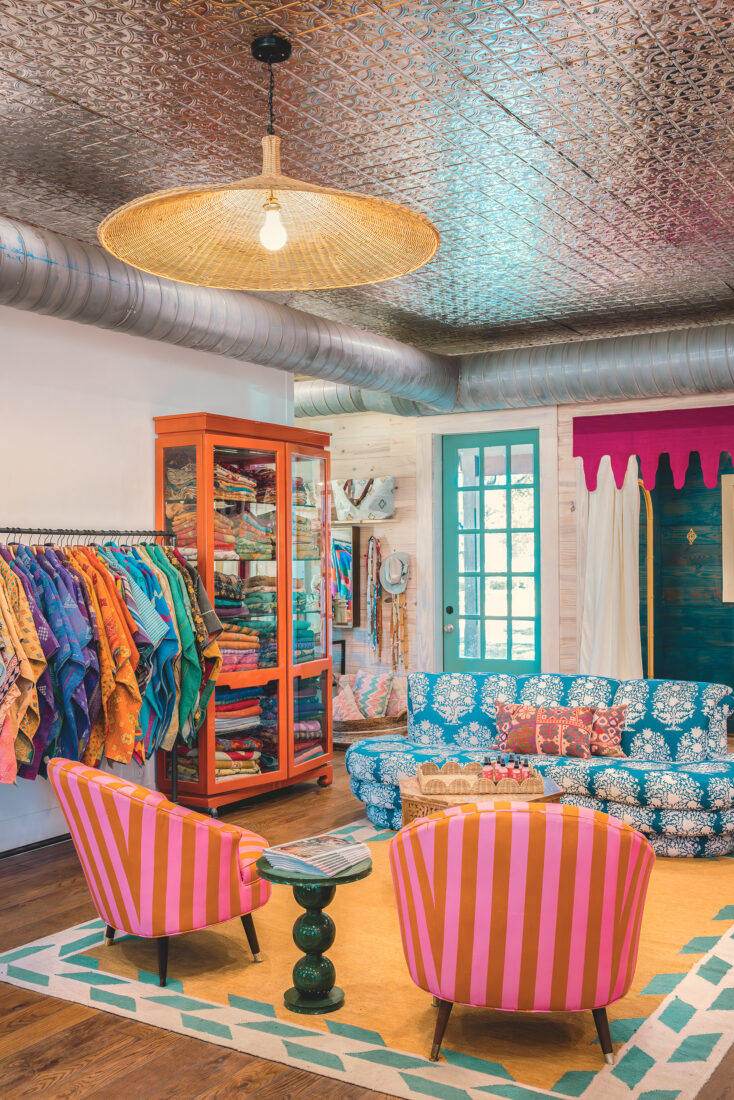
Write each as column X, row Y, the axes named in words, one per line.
column 394, row 580
column 374, row 597
column 675, row 432
column 269, row 232
column 360, row 500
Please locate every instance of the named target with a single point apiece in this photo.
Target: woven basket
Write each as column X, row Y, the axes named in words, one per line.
column 346, row 733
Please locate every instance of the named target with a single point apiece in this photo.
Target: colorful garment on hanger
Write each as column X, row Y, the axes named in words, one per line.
column 105, row 652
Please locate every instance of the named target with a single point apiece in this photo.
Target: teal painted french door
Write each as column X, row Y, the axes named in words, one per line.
column 491, row 552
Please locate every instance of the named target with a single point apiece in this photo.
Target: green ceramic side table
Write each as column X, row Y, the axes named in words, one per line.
column 313, row 990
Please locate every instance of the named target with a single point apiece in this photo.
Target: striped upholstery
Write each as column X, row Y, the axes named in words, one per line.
column 523, row 906
column 154, row 868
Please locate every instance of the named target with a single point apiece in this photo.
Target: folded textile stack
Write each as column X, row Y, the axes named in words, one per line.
column 255, row 538
column 300, row 492
column 304, row 642
column 266, row 491
column 306, row 538
column 233, row 756
column 180, row 478
column 231, row 484
column 237, row 710
column 308, row 751
column 182, row 522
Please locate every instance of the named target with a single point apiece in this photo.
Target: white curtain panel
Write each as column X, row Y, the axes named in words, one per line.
column 610, row 627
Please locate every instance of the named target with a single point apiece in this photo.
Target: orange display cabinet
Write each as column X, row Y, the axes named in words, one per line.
column 249, row 505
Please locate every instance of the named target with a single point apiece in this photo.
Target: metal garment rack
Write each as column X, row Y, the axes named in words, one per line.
column 64, row 535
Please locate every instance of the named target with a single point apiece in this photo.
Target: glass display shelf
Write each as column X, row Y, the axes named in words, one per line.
column 308, row 490
column 310, row 719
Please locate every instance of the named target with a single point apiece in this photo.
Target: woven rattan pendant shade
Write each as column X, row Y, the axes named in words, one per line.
column 209, row 235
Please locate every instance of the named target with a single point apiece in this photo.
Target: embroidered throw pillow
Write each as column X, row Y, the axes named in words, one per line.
column 398, row 700
column 606, row 732
column 372, row 690
column 551, row 731
column 345, row 707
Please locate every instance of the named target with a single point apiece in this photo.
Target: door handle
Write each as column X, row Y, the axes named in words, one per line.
column 448, row 629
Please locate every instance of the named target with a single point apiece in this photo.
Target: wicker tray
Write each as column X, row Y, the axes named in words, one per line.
column 346, row 733
column 417, row 804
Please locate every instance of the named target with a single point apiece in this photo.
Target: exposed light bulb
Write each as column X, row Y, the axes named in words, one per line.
column 273, row 234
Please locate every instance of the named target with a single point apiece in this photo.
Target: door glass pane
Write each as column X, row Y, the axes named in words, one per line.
column 522, row 507
column 469, row 642
column 468, row 553
column 523, row 640
column 468, row 595
column 495, row 596
column 523, row 595
column 245, row 559
column 495, row 466
column 309, row 561
column 495, row 639
column 521, row 463
column 495, row 509
column 468, row 466
column 469, row 511
column 495, row 553
column 523, row 553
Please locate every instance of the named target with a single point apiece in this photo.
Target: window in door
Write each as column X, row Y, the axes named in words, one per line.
column 491, row 552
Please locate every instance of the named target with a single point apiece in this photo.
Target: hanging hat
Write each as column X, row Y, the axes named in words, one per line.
column 394, row 573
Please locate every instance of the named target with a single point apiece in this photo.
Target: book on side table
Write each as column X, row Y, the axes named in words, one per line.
column 317, row 855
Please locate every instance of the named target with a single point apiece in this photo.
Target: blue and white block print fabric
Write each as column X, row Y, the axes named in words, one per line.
column 566, row 691
column 675, row 720
column 703, row 786
column 456, row 708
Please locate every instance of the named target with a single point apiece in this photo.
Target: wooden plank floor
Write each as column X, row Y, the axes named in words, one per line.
column 60, row 1051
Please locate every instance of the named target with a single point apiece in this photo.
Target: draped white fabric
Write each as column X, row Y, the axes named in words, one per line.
column 610, row 627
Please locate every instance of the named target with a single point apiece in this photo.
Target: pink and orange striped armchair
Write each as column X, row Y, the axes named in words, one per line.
column 521, row 906
column 153, row 868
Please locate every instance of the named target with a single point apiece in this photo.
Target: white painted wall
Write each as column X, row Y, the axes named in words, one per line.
column 77, row 450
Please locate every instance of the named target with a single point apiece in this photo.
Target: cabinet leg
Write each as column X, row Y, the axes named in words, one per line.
column 249, row 926
column 327, row 779
column 162, row 959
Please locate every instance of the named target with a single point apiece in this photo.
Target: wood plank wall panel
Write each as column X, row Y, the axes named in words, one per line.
column 377, row 445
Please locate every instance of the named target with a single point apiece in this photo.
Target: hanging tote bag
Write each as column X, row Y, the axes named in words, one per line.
column 362, row 499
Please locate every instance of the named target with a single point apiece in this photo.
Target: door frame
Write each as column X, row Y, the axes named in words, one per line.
column 428, row 647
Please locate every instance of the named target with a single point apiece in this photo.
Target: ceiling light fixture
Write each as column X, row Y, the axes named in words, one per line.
column 269, row 232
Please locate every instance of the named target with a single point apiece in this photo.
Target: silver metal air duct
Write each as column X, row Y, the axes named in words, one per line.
column 47, row 273
column 660, row 364
column 318, row 398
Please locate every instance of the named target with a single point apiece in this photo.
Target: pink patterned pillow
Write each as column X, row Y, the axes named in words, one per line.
column 345, row 707
column 555, row 731
column 398, row 701
column 372, row 690
column 606, row 731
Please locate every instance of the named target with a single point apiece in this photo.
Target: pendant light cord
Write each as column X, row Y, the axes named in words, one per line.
column 271, row 127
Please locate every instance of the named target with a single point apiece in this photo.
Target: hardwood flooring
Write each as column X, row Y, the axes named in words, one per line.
column 61, row 1051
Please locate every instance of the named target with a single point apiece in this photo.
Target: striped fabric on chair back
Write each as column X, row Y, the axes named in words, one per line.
column 518, row 905
column 154, row 868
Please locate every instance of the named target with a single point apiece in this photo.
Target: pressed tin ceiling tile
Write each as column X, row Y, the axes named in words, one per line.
column 576, row 157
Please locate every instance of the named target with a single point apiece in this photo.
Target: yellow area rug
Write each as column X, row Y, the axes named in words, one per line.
column 670, row 1032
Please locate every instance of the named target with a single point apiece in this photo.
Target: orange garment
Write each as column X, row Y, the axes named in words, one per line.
column 25, row 685
column 18, row 602
column 115, row 731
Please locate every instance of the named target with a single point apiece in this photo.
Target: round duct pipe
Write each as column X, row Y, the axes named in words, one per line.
column 61, row 277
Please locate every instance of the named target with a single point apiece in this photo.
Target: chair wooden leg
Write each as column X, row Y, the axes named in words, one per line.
column 109, row 936
column 162, row 959
column 435, row 1001
column 249, row 926
column 444, row 1011
column 602, row 1030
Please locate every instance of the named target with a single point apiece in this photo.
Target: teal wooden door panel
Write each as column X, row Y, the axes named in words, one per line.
column 491, row 552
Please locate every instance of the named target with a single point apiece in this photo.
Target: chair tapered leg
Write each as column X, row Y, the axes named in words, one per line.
column 444, row 1011
column 109, row 936
column 162, row 959
column 249, row 926
column 435, row 1001
column 602, row 1030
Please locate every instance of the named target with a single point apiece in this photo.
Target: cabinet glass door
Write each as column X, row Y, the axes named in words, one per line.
column 308, row 488
column 245, row 557
column 181, row 497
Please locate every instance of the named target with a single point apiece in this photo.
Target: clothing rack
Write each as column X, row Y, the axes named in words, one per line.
column 65, row 533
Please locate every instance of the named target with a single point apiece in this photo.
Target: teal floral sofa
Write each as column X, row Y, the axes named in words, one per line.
column 676, row 784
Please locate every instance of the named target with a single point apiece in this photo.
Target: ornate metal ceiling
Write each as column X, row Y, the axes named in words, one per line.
column 576, row 157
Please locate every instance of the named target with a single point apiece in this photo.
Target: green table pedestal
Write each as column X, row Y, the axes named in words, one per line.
column 313, row 991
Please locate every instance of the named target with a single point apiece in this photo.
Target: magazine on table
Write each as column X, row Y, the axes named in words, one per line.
column 325, row 854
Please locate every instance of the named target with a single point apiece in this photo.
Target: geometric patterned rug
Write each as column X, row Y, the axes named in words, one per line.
column 670, row 1032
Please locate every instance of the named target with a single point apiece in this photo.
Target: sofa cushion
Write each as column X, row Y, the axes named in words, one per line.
column 455, row 708
column 708, row 785
column 551, row 690
column 664, row 822
column 672, row 719
column 387, row 759
column 552, row 731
